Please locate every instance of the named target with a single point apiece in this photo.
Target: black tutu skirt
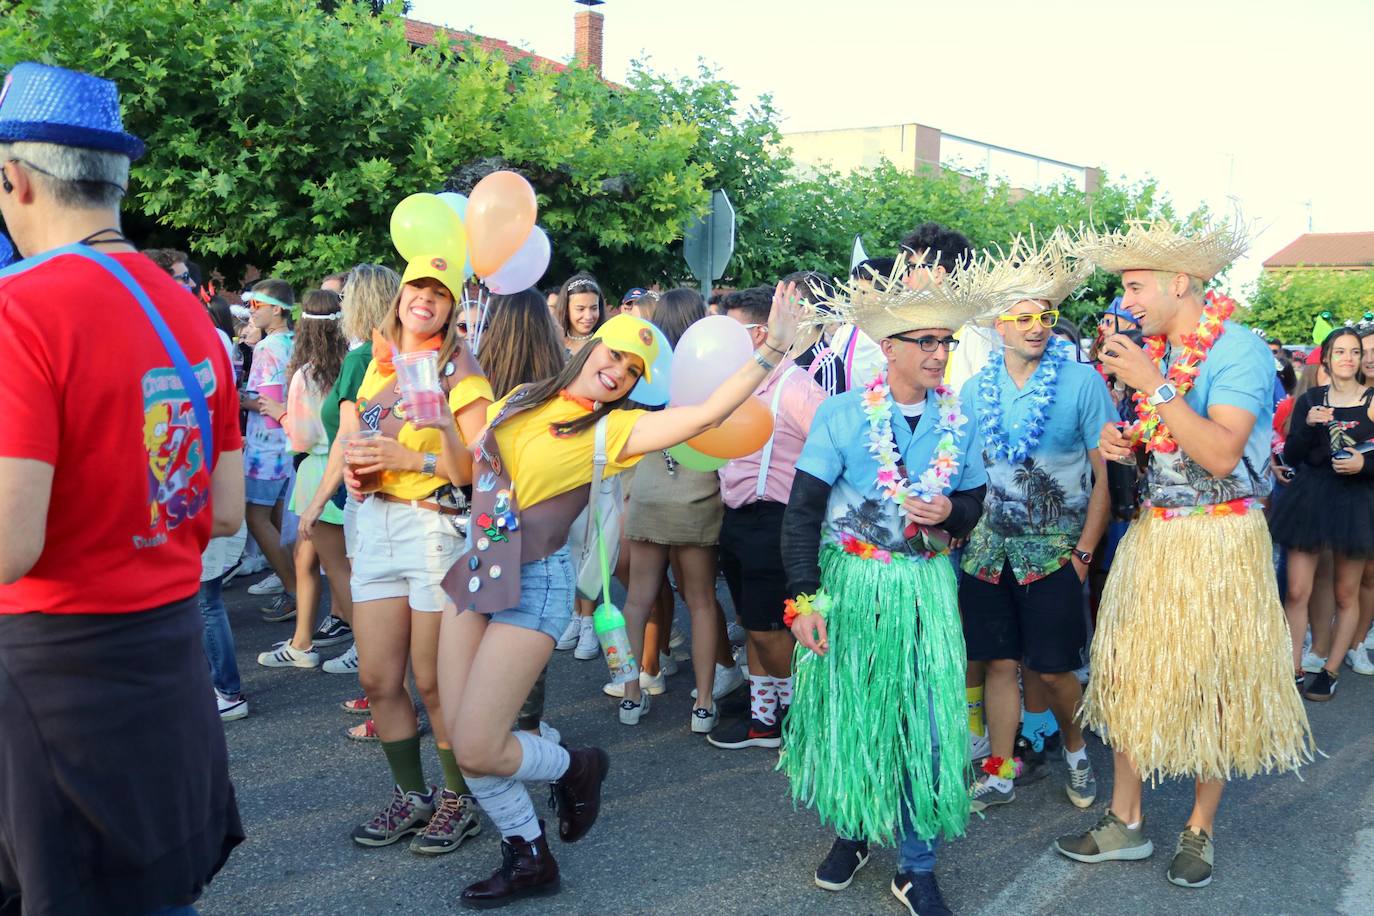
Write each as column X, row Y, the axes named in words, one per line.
column 1321, row 510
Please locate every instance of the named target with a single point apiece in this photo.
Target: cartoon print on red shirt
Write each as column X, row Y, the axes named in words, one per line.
column 177, row 490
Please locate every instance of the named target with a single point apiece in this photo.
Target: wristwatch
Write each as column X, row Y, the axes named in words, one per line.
column 1163, row 395
column 1084, row 556
column 431, row 464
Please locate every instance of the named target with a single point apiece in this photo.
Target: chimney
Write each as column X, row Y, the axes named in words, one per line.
column 588, row 26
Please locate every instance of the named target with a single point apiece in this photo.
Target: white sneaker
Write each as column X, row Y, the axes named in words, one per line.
column 588, row 647
column 248, row 566
column 630, row 711
column 343, row 664
column 284, row 655
column 231, row 707
column 727, row 681
column 979, row 746
column 269, row 586
column 703, row 720
column 651, row 684
column 1369, row 639
column 570, row 636
column 736, row 633
column 1358, row 660
column 1312, row 663
column 667, row 665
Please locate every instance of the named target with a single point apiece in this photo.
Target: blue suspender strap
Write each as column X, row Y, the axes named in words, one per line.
column 188, row 377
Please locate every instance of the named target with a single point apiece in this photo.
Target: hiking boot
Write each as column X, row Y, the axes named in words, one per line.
column 1082, row 785
column 1321, row 687
column 1192, row 864
column 843, row 861
column 454, row 820
column 406, row 813
column 1110, row 841
column 919, row 893
column 527, row 870
column 985, row 795
column 577, row 795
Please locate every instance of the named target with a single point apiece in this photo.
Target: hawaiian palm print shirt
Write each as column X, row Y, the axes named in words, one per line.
column 1035, row 509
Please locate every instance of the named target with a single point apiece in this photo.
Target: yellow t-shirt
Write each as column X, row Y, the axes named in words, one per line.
column 414, row 484
column 542, row 465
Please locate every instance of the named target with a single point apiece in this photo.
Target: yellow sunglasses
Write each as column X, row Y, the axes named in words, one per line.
column 1027, row 320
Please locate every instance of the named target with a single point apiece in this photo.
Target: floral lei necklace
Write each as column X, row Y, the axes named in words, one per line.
column 990, row 419
column 1149, row 428
column 890, row 482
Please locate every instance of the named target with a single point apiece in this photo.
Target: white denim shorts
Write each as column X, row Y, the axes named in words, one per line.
column 403, row 552
column 350, row 526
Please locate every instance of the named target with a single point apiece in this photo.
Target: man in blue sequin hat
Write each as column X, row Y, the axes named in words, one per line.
column 120, row 457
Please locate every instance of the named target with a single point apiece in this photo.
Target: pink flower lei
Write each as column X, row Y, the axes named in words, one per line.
column 890, row 482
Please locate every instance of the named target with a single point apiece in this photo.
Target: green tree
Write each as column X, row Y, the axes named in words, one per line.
column 1287, row 303
column 282, row 137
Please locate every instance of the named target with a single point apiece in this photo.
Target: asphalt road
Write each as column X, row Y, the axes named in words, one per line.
column 689, row 829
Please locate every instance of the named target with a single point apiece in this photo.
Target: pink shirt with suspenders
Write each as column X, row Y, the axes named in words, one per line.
column 792, row 397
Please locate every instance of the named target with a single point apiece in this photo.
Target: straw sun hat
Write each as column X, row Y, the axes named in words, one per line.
column 1162, row 245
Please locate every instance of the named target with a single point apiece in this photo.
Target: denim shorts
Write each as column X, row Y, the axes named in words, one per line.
column 265, row 492
column 546, row 596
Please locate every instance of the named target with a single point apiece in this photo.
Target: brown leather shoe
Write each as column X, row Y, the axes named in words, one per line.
column 527, row 870
column 577, row 796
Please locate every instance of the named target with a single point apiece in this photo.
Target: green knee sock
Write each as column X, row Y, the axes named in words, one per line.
column 453, row 777
column 404, row 759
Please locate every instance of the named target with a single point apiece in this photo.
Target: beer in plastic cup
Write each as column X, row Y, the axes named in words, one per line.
column 371, row 481
column 417, row 375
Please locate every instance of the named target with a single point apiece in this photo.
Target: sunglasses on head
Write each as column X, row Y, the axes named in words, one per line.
column 930, row 344
column 1028, row 320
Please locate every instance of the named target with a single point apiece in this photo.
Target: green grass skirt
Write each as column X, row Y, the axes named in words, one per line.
column 858, row 735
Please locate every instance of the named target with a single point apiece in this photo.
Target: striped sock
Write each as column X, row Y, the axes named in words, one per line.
column 507, row 804
column 763, row 699
column 541, row 760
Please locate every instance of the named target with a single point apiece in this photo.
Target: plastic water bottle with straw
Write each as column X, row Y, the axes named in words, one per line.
column 609, row 623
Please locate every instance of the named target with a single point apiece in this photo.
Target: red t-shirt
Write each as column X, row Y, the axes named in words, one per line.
column 87, row 386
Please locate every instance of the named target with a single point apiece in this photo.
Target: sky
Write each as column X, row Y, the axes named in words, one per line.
column 1261, row 104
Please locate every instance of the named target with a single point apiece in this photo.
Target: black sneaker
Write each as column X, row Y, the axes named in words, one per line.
column 1034, row 764
column 331, row 632
column 1322, row 687
column 737, row 733
column 919, row 893
column 843, row 861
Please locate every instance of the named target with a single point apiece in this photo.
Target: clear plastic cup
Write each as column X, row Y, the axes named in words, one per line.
column 417, row 375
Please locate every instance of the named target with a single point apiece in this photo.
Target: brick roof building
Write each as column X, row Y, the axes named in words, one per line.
column 1326, row 251
column 588, row 30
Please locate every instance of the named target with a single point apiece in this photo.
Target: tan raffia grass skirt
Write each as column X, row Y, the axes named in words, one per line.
column 1192, row 664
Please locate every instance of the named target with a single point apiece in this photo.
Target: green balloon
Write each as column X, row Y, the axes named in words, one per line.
column 694, row 460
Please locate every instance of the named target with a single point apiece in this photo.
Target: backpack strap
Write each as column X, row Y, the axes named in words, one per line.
column 598, row 474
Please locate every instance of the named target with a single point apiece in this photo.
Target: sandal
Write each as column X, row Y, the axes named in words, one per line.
column 358, row 706
column 365, row 732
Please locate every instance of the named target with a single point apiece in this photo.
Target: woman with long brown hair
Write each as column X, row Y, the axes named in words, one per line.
column 514, row 583
column 316, row 361
column 408, row 539
column 581, row 309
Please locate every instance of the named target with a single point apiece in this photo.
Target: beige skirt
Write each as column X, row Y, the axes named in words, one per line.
column 1192, row 665
column 681, row 509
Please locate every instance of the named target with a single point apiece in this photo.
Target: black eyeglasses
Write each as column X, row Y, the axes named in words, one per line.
column 930, row 344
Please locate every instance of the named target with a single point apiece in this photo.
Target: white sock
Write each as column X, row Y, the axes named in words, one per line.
column 1135, row 826
column 784, row 685
column 507, row 804
column 1000, row 784
column 763, row 699
column 1074, row 758
column 541, row 760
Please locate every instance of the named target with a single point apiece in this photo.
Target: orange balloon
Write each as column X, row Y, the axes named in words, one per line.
column 501, row 214
column 743, row 432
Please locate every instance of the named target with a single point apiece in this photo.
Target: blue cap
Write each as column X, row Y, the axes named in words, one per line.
column 42, row 104
column 632, row 295
column 1121, row 313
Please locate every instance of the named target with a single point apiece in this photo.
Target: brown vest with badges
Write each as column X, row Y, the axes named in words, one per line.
column 501, row 536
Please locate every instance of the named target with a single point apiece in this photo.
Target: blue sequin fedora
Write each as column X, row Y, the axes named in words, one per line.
column 43, row 104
